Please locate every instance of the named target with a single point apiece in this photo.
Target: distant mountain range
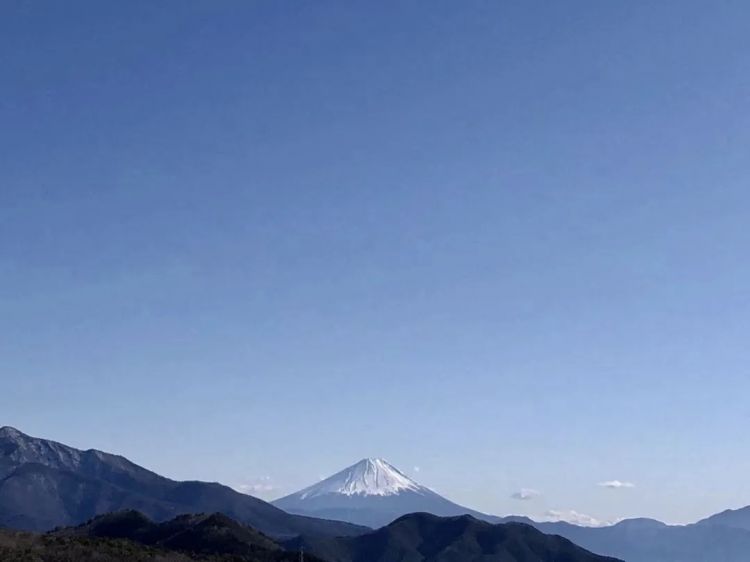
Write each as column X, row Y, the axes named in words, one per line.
column 647, row 540
column 373, row 492
column 44, row 484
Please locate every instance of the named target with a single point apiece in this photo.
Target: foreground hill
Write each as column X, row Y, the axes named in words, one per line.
column 44, row 484
column 371, row 492
column 198, row 535
column 130, row 537
column 422, row 537
column 18, row 546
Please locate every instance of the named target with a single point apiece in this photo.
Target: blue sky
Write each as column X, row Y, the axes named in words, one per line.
column 503, row 242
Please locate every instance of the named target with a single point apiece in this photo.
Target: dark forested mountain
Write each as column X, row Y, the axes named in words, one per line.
column 18, row 546
column 371, row 492
column 209, row 534
column 132, row 537
column 200, row 534
column 44, row 484
column 422, row 537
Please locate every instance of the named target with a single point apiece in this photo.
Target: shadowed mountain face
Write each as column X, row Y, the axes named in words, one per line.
column 44, row 484
column 371, row 492
column 422, row 537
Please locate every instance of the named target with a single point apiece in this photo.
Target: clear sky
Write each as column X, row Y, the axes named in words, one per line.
column 505, row 242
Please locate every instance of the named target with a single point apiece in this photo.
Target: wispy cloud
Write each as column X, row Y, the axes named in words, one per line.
column 417, row 469
column 261, row 487
column 615, row 484
column 574, row 517
column 525, row 494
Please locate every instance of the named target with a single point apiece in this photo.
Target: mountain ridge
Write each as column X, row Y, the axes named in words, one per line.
column 736, row 518
column 45, row 484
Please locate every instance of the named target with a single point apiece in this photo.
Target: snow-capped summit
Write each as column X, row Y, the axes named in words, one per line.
column 368, row 477
column 371, row 492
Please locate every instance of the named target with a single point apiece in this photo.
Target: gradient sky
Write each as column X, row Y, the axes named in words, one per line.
column 505, row 242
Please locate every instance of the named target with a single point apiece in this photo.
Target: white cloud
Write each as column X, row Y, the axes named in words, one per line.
column 525, row 494
column 417, row 469
column 616, row 484
column 262, row 487
column 571, row 516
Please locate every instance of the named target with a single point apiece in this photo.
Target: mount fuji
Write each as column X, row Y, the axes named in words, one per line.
column 371, row 492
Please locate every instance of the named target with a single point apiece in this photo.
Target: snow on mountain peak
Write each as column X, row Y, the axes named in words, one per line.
column 368, row 477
